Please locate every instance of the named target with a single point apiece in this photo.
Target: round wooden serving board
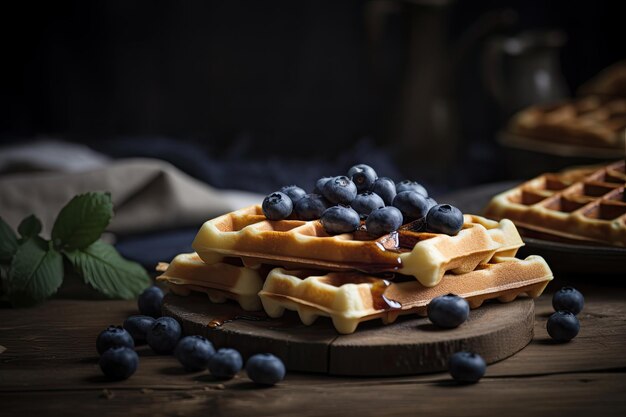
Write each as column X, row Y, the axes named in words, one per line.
column 411, row 345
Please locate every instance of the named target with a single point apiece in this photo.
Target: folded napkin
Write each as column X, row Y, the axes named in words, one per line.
column 148, row 195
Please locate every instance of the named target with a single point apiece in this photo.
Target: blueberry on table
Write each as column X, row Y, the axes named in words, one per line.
column 319, row 185
column 194, row 352
column 294, row 192
column 114, row 336
column 225, row 363
column 119, row 362
column 149, row 302
column 467, row 367
column 444, row 218
column 386, row 189
column 310, row 207
column 568, row 299
column 277, row 206
column 163, row 335
column 413, row 205
column 563, row 326
column 365, row 202
column 408, row 185
column 339, row 190
column 383, row 220
column 363, row 176
column 448, row 311
column 265, row 369
column 339, row 219
column 138, row 327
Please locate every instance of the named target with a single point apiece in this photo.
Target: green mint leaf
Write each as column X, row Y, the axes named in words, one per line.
column 102, row 267
column 29, row 227
column 8, row 242
column 36, row 272
column 82, row 221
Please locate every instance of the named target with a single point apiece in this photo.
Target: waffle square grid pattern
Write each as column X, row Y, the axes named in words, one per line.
column 585, row 206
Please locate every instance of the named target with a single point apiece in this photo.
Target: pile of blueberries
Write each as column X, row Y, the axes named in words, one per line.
column 450, row 311
column 118, row 359
column 341, row 202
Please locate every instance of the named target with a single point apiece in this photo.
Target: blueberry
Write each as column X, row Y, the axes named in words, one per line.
column 113, row 336
column 119, row 362
column 194, row 352
column 365, row 202
column 444, row 218
column 467, row 367
column 363, row 176
column 408, row 185
column 163, row 335
column 310, row 207
column 412, row 205
column 225, row 363
column 568, row 299
column 386, row 189
column 294, row 192
column 138, row 327
column 563, row 326
column 319, row 185
column 383, row 220
column 431, row 202
column 448, row 311
column 149, row 302
column 340, row 219
column 277, row 206
column 265, row 369
column 339, row 190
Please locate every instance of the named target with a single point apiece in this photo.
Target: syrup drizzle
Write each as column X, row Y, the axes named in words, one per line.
column 380, row 301
column 219, row 321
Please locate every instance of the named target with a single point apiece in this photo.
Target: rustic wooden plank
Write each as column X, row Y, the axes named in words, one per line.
column 53, row 346
column 571, row 395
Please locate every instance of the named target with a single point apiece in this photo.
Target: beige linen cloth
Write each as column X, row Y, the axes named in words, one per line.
column 148, row 195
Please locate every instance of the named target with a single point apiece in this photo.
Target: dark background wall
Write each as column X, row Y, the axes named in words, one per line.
column 286, row 77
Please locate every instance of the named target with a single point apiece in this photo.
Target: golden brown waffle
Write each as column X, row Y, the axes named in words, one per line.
column 247, row 234
column 220, row 281
column 576, row 206
column 349, row 298
column 591, row 121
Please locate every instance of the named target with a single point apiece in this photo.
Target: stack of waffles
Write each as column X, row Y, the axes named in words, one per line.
column 592, row 121
column 351, row 278
column 580, row 206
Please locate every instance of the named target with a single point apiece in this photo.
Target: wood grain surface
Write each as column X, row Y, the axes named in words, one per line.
column 49, row 368
column 411, row 345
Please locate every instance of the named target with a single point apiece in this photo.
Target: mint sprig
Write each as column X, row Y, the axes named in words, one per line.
column 31, row 268
column 82, row 220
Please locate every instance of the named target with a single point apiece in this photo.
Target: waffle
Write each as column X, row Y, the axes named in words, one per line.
column 220, row 281
column 591, row 121
column 579, row 206
column 297, row 244
column 349, row 298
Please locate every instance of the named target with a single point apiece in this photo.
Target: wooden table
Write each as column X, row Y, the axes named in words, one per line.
column 50, row 367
